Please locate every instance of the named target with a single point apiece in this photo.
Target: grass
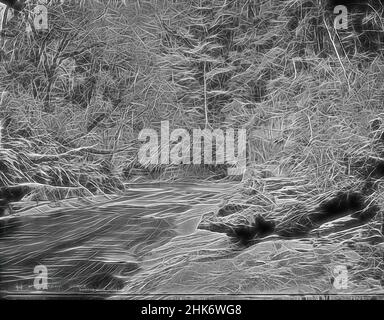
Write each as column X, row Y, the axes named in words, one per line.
column 309, row 96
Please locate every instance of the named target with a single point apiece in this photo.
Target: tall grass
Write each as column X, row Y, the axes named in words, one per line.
column 305, row 92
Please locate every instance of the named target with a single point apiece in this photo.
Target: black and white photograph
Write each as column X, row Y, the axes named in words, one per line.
column 220, row 150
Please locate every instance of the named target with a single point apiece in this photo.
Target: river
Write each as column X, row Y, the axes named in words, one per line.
column 101, row 246
column 146, row 243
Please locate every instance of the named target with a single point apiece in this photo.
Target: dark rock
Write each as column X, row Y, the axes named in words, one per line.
column 11, row 194
column 245, row 235
column 343, row 204
column 17, row 5
column 4, row 208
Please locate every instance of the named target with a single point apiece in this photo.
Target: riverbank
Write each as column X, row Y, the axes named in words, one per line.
column 148, row 243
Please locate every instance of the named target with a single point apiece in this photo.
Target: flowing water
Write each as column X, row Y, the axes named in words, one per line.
column 100, row 247
column 146, row 243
